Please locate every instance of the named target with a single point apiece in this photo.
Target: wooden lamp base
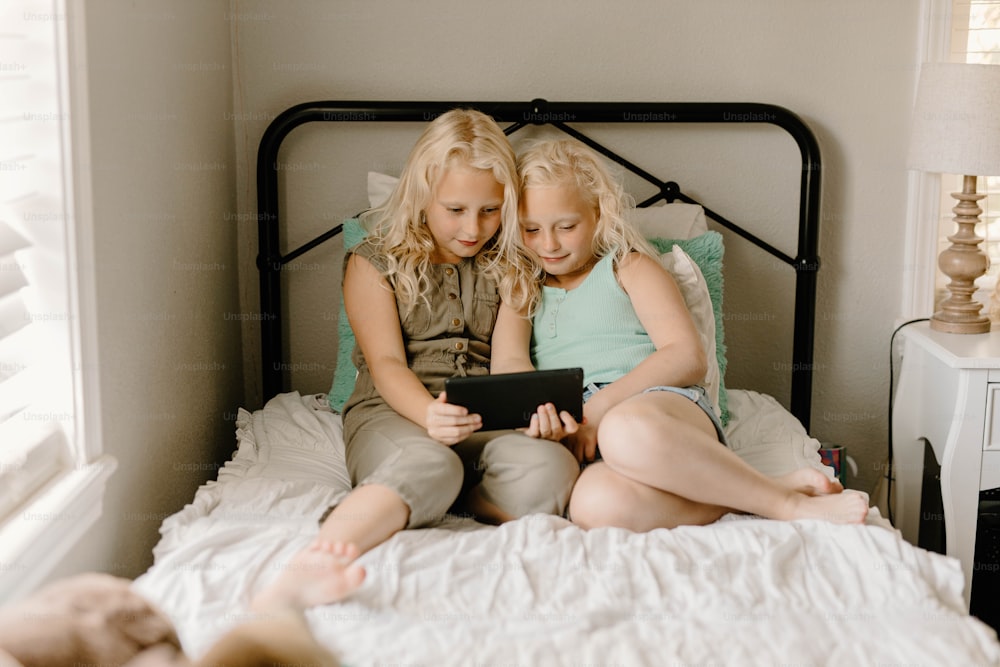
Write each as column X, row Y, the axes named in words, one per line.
column 963, row 262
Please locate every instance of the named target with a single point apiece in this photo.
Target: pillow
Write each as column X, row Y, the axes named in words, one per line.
column 380, row 186
column 345, row 373
column 768, row 437
column 670, row 221
column 691, row 283
column 707, row 251
column 293, row 438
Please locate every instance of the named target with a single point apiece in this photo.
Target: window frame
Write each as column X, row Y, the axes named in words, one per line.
column 944, row 29
column 37, row 536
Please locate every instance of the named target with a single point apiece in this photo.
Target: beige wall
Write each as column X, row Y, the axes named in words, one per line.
column 847, row 68
column 160, row 88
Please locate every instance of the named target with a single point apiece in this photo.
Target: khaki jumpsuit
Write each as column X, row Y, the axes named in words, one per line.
column 519, row 474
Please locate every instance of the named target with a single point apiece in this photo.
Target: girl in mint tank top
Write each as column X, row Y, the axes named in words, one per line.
column 651, row 443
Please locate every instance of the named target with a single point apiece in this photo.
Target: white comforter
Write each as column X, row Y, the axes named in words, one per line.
column 540, row 591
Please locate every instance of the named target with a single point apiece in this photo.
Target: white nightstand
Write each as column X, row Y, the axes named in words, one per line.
column 949, row 393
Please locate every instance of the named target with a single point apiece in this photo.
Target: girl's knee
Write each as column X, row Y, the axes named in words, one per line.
column 597, row 502
column 530, row 456
column 528, row 477
column 632, row 432
column 446, row 470
column 628, row 439
column 556, row 463
column 431, row 486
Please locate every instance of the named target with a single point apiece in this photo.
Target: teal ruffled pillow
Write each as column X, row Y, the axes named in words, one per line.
column 707, row 251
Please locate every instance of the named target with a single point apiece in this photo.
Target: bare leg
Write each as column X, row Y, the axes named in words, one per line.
column 279, row 633
column 325, row 571
column 602, row 497
column 810, row 482
column 367, row 517
column 321, row 573
column 665, row 441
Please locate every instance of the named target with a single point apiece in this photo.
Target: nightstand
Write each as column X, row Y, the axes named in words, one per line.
column 948, row 393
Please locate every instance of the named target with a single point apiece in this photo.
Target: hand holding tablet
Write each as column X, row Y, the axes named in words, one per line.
column 508, row 400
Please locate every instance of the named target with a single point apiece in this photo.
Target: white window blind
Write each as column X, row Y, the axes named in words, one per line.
column 33, row 280
column 51, row 477
column 983, row 46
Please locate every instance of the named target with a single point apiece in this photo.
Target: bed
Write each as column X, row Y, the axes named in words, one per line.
column 539, row 590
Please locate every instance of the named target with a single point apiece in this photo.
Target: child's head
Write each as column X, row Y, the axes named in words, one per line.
column 460, row 138
column 457, row 144
column 570, row 167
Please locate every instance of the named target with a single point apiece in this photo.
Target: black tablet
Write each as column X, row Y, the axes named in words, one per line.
column 508, row 400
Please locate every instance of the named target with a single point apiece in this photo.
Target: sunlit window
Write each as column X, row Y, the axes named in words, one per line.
column 975, row 39
column 51, row 473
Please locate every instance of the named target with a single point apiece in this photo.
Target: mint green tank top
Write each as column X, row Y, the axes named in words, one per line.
column 593, row 326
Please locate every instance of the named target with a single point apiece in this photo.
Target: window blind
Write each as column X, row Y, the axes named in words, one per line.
column 34, row 314
column 983, row 46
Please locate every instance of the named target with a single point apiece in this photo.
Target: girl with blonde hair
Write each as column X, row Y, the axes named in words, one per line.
column 422, row 294
column 652, row 445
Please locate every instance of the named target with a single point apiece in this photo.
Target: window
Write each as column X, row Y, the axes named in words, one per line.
column 51, row 472
column 975, row 38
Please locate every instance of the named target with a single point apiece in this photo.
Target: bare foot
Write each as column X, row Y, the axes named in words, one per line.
column 810, row 481
column 844, row 507
column 322, row 573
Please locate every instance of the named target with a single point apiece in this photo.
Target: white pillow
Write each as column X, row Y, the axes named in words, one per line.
column 668, row 221
column 692, row 284
column 380, row 186
column 293, row 438
column 768, row 437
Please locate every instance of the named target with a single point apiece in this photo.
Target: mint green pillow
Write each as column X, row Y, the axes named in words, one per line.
column 707, row 250
column 343, row 376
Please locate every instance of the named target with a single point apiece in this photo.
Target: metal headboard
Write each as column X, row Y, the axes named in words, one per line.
column 564, row 116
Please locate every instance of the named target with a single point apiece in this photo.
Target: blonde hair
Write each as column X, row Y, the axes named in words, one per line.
column 566, row 162
column 460, row 136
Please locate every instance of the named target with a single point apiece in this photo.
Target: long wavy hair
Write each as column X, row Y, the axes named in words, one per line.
column 458, row 137
column 566, row 162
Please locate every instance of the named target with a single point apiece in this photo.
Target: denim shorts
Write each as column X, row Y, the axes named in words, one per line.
column 694, row 393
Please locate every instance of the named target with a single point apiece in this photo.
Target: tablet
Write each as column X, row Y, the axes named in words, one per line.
column 507, row 400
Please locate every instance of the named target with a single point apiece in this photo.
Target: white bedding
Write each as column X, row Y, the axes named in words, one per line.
column 540, row 591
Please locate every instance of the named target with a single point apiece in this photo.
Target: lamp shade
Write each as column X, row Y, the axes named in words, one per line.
column 956, row 120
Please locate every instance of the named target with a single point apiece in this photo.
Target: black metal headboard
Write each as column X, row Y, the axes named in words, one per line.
column 564, row 116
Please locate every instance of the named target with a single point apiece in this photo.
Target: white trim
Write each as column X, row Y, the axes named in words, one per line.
column 72, row 61
column 49, row 523
column 43, row 532
column 924, row 190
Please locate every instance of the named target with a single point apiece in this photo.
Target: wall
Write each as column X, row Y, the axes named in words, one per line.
column 160, row 88
column 847, row 68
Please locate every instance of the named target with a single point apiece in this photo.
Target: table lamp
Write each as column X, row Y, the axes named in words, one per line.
column 956, row 130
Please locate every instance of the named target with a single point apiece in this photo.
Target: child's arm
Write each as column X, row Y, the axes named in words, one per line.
column 511, row 343
column 371, row 310
column 511, row 353
column 679, row 359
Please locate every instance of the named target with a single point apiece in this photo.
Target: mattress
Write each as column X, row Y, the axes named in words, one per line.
column 541, row 591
